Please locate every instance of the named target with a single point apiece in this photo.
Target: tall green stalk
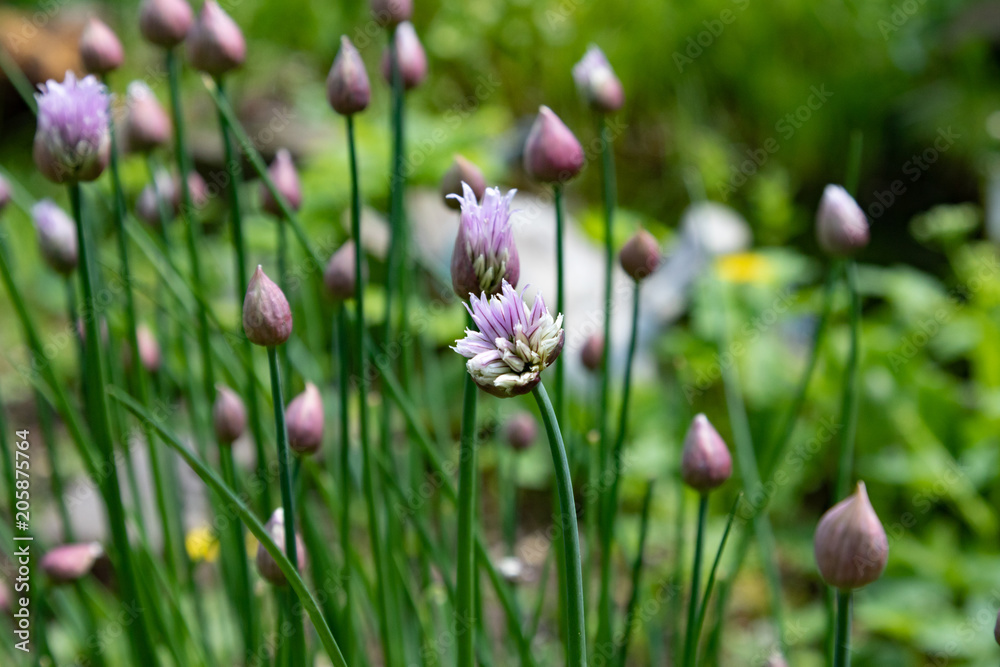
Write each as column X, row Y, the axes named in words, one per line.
column 608, row 191
column 842, row 644
column 343, row 349
column 465, row 609
column 633, row 601
column 690, row 639
column 243, row 597
column 367, row 462
column 296, row 641
column 141, row 640
column 706, row 598
column 576, row 637
column 562, row 585
column 849, row 403
column 235, row 175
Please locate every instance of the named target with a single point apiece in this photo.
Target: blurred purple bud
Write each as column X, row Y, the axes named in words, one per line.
column 215, row 44
column 146, row 125
column 592, row 352
column 597, row 82
column 100, row 49
column 461, row 171
column 705, row 462
column 640, row 255
column 521, row 431
column 286, row 180
column 304, row 417
column 229, row 416
column 70, row 562
column 841, row 226
column 347, row 87
column 56, row 236
column 165, row 22
column 266, row 564
column 410, row 55
column 338, row 277
column 850, row 544
column 391, row 12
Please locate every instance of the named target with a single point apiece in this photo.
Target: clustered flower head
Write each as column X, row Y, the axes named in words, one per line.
column 215, row 44
column 100, row 49
column 705, row 462
column 597, row 82
column 453, row 182
column 484, row 256
column 514, row 343
column 267, row 317
column 72, row 142
column 57, row 237
column 850, row 545
column 347, row 88
column 286, row 180
column 841, row 225
column 146, row 125
column 552, row 153
column 410, row 56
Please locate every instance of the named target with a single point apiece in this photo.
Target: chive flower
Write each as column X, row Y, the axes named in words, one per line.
column 347, row 87
column 267, row 317
column 215, row 44
column 146, row 125
column 850, row 545
column 597, row 82
column 229, row 416
column 410, row 55
column 841, row 225
column 56, row 236
column 705, row 461
column 513, row 343
column 552, row 153
column 100, row 49
column 304, row 417
column 484, row 256
column 72, row 142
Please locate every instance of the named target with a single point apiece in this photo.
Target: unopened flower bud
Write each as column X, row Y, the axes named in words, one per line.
column 552, row 154
column 146, row 126
column 461, row 171
column 266, row 564
column 72, row 142
column 841, row 226
column 153, row 198
column 592, row 352
column 267, row 317
column 391, row 12
column 56, row 236
column 215, row 44
column 597, row 82
column 640, row 255
column 304, row 418
column 410, row 55
column 485, row 254
column 70, row 562
column 4, row 193
column 347, row 86
column 165, row 22
column 705, row 462
column 286, row 180
column 149, row 348
column 338, row 277
column 229, row 416
column 521, row 431
column 100, row 49
column 850, row 544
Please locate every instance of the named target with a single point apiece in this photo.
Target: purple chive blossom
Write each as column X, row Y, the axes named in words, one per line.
column 514, row 343
column 597, row 82
column 72, row 141
column 485, row 255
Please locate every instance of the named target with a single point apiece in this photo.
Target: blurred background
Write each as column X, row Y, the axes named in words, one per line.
column 745, row 103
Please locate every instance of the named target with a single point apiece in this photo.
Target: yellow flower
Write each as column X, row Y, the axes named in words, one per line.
column 745, row 267
column 202, row 544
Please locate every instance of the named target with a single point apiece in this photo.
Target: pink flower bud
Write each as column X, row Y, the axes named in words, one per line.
column 841, row 226
column 552, row 154
column 149, row 350
column 215, row 44
column 850, row 545
column 592, row 352
column 461, row 171
column 410, row 55
column 4, row 193
column 597, row 82
column 266, row 564
column 347, row 87
column 286, row 180
column 522, row 430
column 339, row 273
column 705, row 462
column 165, row 22
column 304, row 417
column 229, row 417
column 391, row 12
column 146, row 126
column 640, row 255
column 100, row 49
column 70, row 562
column 267, row 317
column 56, row 236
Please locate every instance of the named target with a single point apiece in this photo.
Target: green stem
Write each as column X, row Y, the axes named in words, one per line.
column 141, row 641
column 699, row 624
column 55, row 464
column 576, row 640
column 561, row 583
column 344, row 349
column 466, row 560
column 633, row 601
column 609, row 196
column 367, row 464
column 286, row 368
column 244, row 597
column 842, row 645
column 690, row 639
column 235, row 176
column 849, row 405
column 610, row 501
